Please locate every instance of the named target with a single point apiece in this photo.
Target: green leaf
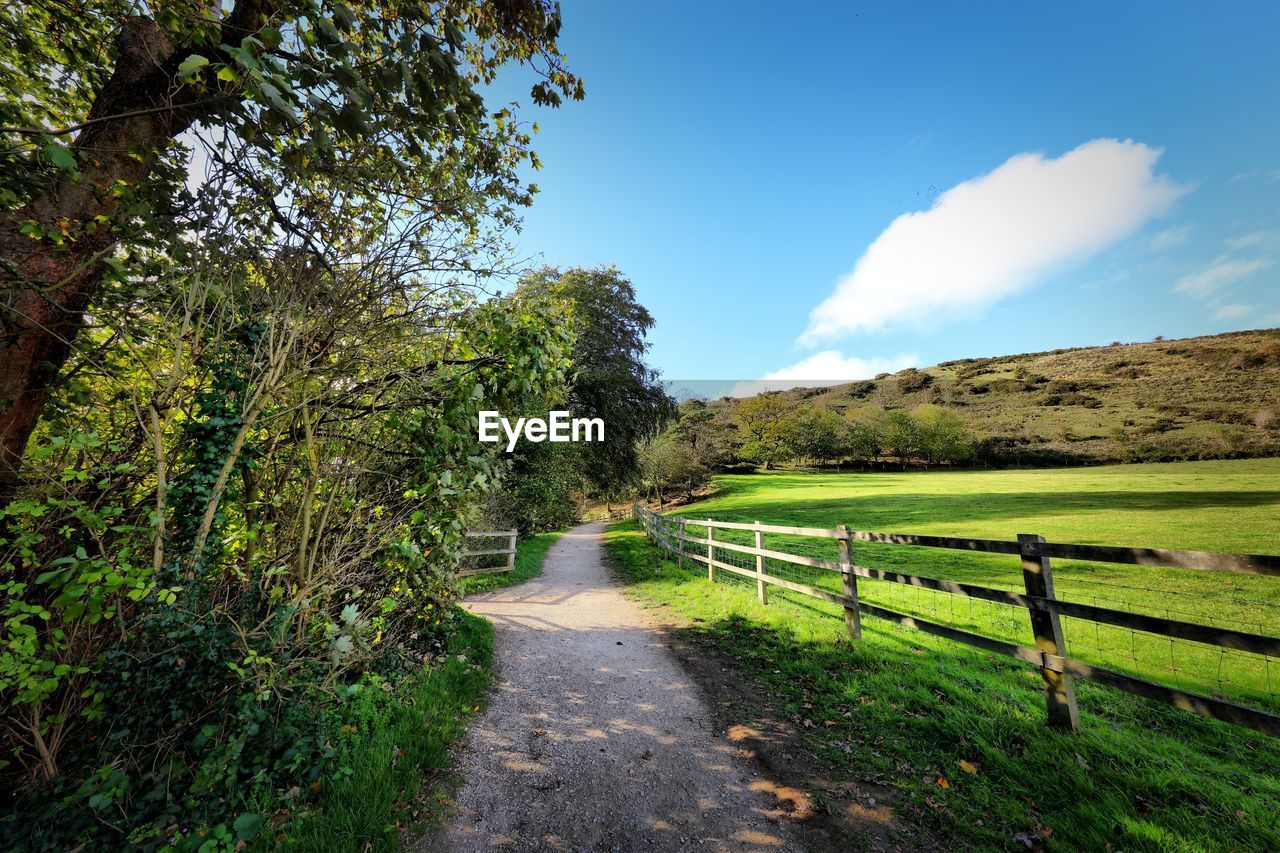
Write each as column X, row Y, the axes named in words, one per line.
column 190, row 67
column 343, row 17
column 115, row 268
column 247, row 826
column 270, row 36
column 45, row 577
column 59, row 155
column 278, row 101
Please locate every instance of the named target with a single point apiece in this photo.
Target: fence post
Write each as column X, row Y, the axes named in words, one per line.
column 711, row 537
column 1059, row 687
column 511, row 553
column 849, row 584
column 762, row 592
column 680, row 541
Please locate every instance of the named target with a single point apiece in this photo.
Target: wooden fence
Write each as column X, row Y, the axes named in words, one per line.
column 509, row 551
column 1043, row 607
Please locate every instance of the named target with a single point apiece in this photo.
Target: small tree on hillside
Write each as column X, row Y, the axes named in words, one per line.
column 943, row 435
column 688, row 472
column 903, row 436
column 668, row 463
column 654, row 454
column 815, row 433
column 763, row 421
column 709, row 435
column 866, row 432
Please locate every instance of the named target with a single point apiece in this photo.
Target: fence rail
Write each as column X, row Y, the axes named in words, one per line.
column 1038, row 599
column 509, row 551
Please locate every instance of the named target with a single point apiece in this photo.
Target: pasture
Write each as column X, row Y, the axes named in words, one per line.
column 910, row 711
column 1204, row 506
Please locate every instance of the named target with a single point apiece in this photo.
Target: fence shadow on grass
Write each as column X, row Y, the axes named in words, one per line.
column 905, row 709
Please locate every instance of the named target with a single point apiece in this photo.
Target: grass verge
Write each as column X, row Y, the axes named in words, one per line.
column 958, row 737
column 392, row 747
column 529, row 555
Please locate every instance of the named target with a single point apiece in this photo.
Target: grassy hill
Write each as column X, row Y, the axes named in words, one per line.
column 1197, row 398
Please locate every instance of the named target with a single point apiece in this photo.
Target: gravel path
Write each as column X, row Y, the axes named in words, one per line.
column 595, row 740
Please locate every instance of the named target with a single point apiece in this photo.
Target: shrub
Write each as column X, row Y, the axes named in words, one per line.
column 861, row 390
column 1246, row 360
column 1071, row 399
column 1223, row 415
column 912, row 380
column 1160, row 425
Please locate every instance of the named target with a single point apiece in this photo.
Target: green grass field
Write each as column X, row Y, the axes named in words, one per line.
column 902, row 708
column 1211, row 506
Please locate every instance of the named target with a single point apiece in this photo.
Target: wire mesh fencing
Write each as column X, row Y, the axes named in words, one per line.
column 1197, row 630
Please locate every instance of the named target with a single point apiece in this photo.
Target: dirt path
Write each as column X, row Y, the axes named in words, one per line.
column 595, row 739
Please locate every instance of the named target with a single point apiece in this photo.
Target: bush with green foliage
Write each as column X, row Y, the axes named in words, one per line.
column 609, row 379
column 244, row 501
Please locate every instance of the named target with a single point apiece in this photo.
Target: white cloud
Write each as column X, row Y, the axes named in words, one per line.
column 1254, row 239
column 1267, row 176
column 1169, row 238
column 995, row 235
column 1223, row 271
column 1233, row 312
column 829, row 367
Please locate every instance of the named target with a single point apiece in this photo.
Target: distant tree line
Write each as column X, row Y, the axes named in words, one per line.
column 770, row 430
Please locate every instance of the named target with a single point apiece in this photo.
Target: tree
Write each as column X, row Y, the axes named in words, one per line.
column 815, row 433
column 943, row 435
column 867, row 431
column 763, row 420
column 540, row 490
column 610, row 379
column 248, row 489
column 655, row 455
column 277, row 470
column 667, row 462
column 689, row 471
column 902, row 438
column 707, row 433
column 377, row 98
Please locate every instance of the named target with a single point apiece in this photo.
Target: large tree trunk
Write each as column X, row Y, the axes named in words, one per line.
column 44, row 288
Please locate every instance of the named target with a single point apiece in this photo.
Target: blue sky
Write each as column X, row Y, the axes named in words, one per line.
column 1079, row 174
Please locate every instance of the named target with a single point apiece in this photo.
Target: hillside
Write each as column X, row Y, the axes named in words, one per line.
column 1196, row 398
